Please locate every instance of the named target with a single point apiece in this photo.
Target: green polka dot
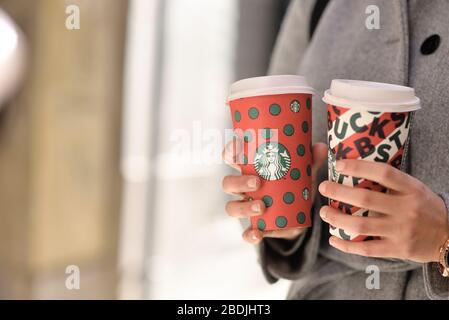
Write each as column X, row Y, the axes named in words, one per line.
column 305, row 126
column 261, row 224
column 275, row 109
column 305, row 194
column 245, row 159
column 281, row 221
column 295, row 174
column 289, row 197
column 301, row 150
column 248, row 136
column 237, row 116
column 301, row 217
column 253, row 113
column 289, row 130
column 308, row 103
column 309, row 170
column 268, row 201
column 267, row 133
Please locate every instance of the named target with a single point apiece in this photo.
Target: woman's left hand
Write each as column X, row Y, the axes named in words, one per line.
column 413, row 221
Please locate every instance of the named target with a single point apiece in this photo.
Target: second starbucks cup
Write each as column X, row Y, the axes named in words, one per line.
column 272, row 116
column 369, row 121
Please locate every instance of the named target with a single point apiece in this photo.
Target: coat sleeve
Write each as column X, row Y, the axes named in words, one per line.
column 293, row 38
column 291, row 259
column 437, row 286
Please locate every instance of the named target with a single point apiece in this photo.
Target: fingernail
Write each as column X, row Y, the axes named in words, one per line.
column 322, row 188
column 255, row 207
column 252, row 183
column 254, row 237
column 323, row 213
column 339, row 166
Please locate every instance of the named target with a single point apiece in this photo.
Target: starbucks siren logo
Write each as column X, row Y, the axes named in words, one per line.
column 331, row 160
column 272, row 161
column 295, row 106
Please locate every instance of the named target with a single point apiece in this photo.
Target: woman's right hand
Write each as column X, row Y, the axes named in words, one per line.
column 239, row 184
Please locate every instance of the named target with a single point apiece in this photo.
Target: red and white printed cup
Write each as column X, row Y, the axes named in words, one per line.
column 272, row 116
column 369, row 121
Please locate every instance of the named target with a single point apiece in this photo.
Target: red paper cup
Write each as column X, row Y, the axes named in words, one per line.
column 272, row 117
column 369, row 121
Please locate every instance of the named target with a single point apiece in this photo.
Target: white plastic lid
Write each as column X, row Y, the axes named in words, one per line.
column 371, row 96
column 268, row 85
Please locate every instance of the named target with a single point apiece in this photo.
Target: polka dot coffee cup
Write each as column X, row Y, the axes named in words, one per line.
column 272, row 116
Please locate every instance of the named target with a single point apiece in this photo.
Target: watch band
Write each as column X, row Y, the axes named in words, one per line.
column 444, row 259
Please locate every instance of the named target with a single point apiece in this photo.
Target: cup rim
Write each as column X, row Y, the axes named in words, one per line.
column 269, row 85
column 371, row 96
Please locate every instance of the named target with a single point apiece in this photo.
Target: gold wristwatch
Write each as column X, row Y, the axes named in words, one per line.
column 444, row 259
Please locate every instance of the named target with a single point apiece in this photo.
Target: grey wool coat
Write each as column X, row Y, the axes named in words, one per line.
column 342, row 47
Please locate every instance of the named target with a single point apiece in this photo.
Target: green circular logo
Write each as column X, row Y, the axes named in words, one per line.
column 309, row 103
column 295, row 174
column 305, row 126
column 253, row 113
column 275, row 109
column 268, row 201
column 261, row 224
column 281, row 222
column 272, row 161
column 301, row 217
column 289, row 197
column 237, row 116
column 289, row 130
column 301, row 150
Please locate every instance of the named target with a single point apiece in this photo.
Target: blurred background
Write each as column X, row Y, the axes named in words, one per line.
column 110, row 146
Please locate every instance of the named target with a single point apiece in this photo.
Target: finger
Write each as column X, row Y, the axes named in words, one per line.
column 232, row 152
column 240, row 184
column 379, row 172
column 252, row 236
column 289, row 234
column 243, row 209
column 359, row 197
column 369, row 226
column 370, row 248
